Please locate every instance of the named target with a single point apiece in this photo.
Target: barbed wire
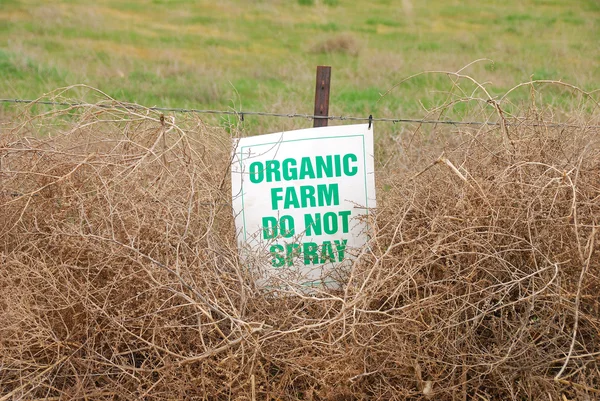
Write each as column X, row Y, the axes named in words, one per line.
column 242, row 114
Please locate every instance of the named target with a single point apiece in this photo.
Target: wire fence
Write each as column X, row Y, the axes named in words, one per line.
column 241, row 114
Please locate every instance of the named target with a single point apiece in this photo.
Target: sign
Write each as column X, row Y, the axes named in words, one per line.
column 300, row 200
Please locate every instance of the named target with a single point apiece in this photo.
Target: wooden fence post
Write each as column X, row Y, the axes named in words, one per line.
column 322, row 95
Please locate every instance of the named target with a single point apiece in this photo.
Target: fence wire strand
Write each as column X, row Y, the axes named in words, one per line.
column 242, row 114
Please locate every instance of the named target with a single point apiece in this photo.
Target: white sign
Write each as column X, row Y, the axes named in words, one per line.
column 300, row 200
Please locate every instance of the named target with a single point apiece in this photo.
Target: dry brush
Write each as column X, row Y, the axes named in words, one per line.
column 121, row 279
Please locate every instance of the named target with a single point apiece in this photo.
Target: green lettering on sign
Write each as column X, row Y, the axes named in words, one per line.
column 257, row 173
column 308, row 196
column 311, row 255
column 350, row 171
column 328, row 194
column 327, row 252
column 291, row 198
column 292, row 251
column 321, row 167
column 330, row 223
column 324, row 166
column 345, row 215
column 269, row 225
column 273, row 173
column 306, row 169
column 275, row 197
column 278, row 258
column 315, row 223
column 289, row 173
column 305, row 196
column 341, row 248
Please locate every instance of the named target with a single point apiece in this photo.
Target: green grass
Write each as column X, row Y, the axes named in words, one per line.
column 262, row 55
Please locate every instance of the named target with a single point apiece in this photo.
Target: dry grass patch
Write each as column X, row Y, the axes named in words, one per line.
column 345, row 44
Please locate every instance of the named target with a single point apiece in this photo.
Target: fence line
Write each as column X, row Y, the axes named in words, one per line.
column 241, row 114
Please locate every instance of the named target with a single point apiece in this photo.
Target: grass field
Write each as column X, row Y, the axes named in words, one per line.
column 120, row 270
column 262, row 56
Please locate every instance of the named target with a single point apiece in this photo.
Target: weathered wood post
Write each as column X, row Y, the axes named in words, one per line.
column 322, row 95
